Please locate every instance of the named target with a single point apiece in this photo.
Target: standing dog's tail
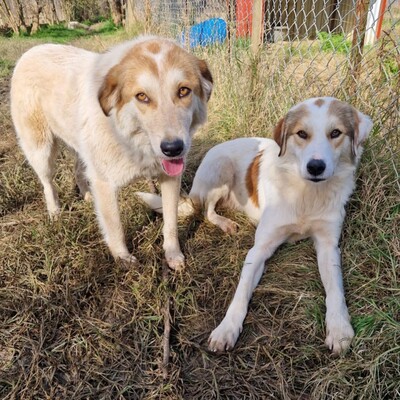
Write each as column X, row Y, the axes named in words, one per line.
column 186, row 205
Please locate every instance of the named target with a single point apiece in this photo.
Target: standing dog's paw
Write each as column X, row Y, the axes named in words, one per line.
column 224, row 336
column 88, row 197
column 128, row 259
column 175, row 260
column 339, row 334
column 54, row 214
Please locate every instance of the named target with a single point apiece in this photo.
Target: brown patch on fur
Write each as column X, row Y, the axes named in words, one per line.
column 354, row 142
column 137, row 60
column 319, row 102
column 179, row 59
column 279, row 135
column 205, row 72
column 192, row 68
column 288, row 126
column 348, row 118
column 37, row 122
column 106, row 92
column 153, row 47
column 252, row 175
column 120, row 83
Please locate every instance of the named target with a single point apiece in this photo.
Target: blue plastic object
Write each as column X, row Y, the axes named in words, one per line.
column 206, row 33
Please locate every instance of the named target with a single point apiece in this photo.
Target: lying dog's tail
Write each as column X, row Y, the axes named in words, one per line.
column 186, row 205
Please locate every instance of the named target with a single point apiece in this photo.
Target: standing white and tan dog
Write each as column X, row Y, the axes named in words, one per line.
column 127, row 113
column 294, row 187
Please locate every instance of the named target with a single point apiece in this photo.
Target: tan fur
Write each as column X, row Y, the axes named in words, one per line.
column 348, row 118
column 288, row 126
column 153, row 47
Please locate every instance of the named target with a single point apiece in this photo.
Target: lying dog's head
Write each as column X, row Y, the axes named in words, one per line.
column 161, row 90
column 320, row 132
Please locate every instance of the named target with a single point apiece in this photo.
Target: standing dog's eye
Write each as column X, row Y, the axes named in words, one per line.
column 335, row 133
column 302, row 134
column 142, row 98
column 183, row 92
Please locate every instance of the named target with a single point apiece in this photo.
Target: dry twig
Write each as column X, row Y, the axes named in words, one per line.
column 167, row 324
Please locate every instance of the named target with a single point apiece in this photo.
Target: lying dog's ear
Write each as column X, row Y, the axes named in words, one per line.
column 280, row 136
column 363, row 125
column 109, row 94
column 206, row 79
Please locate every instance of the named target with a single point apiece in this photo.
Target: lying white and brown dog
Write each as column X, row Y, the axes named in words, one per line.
column 294, row 187
column 127, row 113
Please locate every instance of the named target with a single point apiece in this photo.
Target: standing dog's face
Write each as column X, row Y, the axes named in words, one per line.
column 161, row 90
column 320, row 133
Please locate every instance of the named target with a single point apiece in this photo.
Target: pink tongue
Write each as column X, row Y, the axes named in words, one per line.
column 173, row 167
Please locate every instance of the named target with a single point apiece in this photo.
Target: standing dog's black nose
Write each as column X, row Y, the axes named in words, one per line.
column 173, row 148
column 316, row 167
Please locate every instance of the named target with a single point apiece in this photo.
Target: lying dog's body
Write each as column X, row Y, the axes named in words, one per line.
column 127, row 113
column 294, row 187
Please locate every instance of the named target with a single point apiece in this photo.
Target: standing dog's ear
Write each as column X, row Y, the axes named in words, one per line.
column 206, row 79
column 280, row 136
column 109, row 93
column 362, row 127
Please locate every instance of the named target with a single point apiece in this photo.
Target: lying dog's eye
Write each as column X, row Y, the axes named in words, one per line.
column 142, row 98
column 183, row 92
column 335, row 133
column 302, row 134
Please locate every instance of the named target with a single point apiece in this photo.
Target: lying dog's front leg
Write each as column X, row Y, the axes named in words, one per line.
column 226, row 334
column 170, row 187
column 339, row 331
column 106, row 202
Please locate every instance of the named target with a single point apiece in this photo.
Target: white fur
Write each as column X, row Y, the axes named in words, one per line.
column 60, row 92
column 290, row 205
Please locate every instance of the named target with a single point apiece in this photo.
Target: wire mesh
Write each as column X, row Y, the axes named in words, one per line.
column 346, row 49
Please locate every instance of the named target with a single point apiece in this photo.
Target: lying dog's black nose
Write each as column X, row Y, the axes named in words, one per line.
column 173, row 148
column 316, row 167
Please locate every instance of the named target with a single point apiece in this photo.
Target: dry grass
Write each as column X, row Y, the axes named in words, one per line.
column 77, row 325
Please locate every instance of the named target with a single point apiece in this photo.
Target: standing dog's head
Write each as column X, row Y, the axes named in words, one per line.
column 161, row 90
column 320, row 133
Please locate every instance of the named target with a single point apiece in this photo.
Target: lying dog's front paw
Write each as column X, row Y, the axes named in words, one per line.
column 339, row 334
column 230, row 227
column 175, row 260
column 224, row 336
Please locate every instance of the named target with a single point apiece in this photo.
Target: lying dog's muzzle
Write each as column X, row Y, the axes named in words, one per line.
column 316, row 167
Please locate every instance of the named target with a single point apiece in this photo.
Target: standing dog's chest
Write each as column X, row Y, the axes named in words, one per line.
column 125, row 162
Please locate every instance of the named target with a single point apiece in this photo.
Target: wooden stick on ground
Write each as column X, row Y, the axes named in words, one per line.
column 167, row 324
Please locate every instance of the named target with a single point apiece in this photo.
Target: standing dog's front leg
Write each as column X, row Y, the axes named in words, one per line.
column 339, row 331
column 170, row 188
column 106, row 202
column 227, row 332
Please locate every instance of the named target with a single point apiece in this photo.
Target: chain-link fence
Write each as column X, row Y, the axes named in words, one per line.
column 273, row 53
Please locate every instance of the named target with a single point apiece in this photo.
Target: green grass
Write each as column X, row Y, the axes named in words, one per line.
column 6, row 66
column 61, row 34
column 76, row 324
column 334, row 42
